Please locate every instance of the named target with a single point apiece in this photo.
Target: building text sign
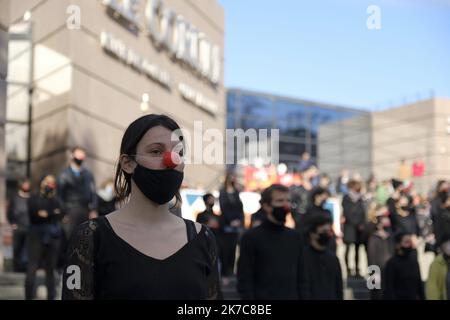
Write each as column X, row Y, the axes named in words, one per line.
column 172, row 32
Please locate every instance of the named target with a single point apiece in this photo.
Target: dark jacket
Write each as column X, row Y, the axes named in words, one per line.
column 401, row 279
column 322, row 275
column 270, row 263
column 257, row 218
column 379, row 250
column 77, row 191
column 18, row 211
column 232, row 208
column 355, row 217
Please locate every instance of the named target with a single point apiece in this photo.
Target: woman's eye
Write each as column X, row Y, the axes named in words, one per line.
column 155, row 152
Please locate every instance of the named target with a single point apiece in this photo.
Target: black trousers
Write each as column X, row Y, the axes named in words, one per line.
column 41, row 248
column 19, row 249
column 347, row 250
column 229, row 243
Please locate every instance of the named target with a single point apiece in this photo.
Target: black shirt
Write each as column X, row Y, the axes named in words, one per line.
column 322, row 274
column 269, row 265
column 401, row 280
column 40, row 202
column 112, row 269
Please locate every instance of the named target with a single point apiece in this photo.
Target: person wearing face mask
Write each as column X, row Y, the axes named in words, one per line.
column 355, row 221
column 442, row 219
column 44, row 236
column 380, row 246
column 17, row 214
column 270, row 261
column 318, row 198
column 142, row 251
column 322, row 271
column 232, row 223
column 106, row 198
column 438, row 282
column 77, row 193
column 401, row 278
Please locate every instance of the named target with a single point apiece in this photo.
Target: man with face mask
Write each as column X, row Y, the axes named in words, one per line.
column 270, row 262
column 438, row 282
column 401, row 278
column 77, row 195
column 322, row 271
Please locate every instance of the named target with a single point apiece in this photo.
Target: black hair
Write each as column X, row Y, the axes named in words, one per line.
column 133, row 134
column 206, row 196
column 398, row 237
column 266, row 195
column 317, row 221
column 315, row 192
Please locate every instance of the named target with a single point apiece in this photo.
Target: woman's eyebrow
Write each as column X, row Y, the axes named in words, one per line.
column 155, row 144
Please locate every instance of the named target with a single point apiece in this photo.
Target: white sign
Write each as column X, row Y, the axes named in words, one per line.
column 172, row 32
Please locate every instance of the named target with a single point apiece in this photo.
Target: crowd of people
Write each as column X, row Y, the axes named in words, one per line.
column 44, row 219
column 270, row 261
column 389, row 219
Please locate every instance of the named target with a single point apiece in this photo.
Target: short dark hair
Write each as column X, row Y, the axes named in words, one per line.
column 317, row 221
column 316, row 191
column 398, row 237
column 206, row 196
column 266, row 195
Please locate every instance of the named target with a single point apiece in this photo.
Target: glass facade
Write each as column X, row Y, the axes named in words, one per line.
column 298, row 120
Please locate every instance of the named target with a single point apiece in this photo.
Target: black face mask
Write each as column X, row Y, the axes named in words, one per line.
column 159, row 186
column 407, row 251
column 279, row 213
column 324, row 239
column 78, row 162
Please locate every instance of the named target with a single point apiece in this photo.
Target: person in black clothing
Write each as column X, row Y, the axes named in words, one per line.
column 318, row 198
column 401, row 278
column 142, row 250
column 44, row 236
column 405, row 216
column 208, row 217
column 322, row 271
column 76, row 192
column 270, row 261
column 17, row 214
column 106, row 198
column 392, row 201
column 355, row 220
column 442, row 219
column 232, row 223
column 258, row 217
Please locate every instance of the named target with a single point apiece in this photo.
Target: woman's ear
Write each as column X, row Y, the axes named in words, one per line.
column 127, row 163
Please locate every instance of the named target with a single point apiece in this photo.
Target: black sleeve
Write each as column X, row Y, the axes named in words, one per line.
column 420, row 286
column 93, row 200
column 201, row 218
column 245, row 268
column 61, row 187
column 33, row 208
column 224, row 208
column 78, row 278
column 302, row 285
column 10, row 211
column 213, row 279
column 339, row 285
column 388, row 281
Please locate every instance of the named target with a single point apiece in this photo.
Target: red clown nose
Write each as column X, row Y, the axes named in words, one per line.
column 171, row 159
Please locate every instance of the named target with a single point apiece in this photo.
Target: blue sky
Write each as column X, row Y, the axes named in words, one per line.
column 322, row 50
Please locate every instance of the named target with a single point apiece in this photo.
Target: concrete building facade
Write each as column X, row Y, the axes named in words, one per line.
column 98, row 65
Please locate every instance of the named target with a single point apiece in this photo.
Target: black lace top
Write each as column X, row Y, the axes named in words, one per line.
column 101, row 265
